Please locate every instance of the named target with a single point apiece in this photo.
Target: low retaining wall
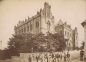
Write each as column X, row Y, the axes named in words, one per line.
column 33, row 57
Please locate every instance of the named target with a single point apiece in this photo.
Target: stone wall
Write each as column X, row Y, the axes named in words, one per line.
column 34, row 57
column 15, row 59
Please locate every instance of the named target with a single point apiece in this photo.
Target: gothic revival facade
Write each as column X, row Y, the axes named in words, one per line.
column 43, row 22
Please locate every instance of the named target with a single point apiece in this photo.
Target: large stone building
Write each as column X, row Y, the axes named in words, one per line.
column 70, row 35
column 43, row 22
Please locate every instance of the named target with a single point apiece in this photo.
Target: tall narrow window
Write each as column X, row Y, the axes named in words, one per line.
column 31, row 27
column 27, row 28
column 37, row 24
column 24, row 29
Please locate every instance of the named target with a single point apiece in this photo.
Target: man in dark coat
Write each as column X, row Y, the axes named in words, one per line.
column 81, row 55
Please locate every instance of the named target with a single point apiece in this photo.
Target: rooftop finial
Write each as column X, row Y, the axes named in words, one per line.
column 46, row 4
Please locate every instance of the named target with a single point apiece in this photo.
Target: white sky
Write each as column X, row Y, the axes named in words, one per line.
column 11, row 11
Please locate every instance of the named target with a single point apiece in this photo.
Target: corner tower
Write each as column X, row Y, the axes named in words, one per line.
column 47, row 20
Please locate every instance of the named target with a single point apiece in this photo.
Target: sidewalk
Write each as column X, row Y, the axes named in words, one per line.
column 77, row 60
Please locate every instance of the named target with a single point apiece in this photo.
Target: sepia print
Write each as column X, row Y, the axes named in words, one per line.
column 42, row 30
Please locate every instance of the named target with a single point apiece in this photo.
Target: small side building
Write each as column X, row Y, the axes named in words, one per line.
column 65, row 31
column 70, row 35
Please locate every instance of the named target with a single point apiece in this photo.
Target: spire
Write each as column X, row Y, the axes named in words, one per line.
column 60, row 22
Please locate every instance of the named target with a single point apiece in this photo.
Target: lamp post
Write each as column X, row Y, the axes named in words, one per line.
column 84, row 26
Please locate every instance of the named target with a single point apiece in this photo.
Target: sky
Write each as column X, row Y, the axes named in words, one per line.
column 11, row 11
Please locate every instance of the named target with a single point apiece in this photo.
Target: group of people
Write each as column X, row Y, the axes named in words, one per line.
column 50, row 57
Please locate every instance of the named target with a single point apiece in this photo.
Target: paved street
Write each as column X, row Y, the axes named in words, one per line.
column 77, row 60
column 74, row 57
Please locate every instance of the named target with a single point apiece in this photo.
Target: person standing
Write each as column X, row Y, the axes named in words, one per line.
column 57, row 57
column 52, row 57
column 65, row 57
column 47, row 57
column 81, row 55
column 29, row 59
column 60, row 56
column 68, row 56
column 37, row 58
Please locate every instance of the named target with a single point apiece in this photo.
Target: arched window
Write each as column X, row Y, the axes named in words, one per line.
column 37, row 24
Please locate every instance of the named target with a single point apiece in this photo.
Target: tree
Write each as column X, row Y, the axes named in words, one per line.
column 55, row 41
column 15, row 43
column 39, row 42
column 27, row 43
column 4, row 54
